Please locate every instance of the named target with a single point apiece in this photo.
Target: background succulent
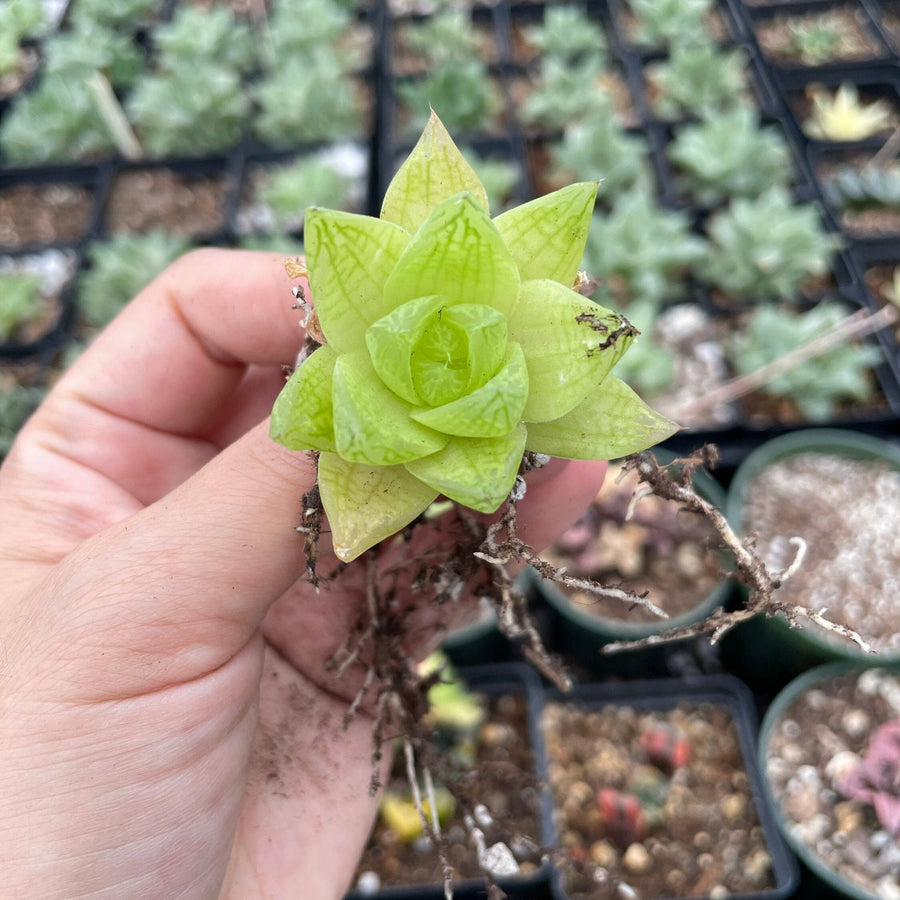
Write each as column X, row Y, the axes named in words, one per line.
column 662, row 22
column 818, row 385
column 596, row 146
column 698, row 79
column 119, row 268
column 766, row 248
column 729, row 155
column 640, row 251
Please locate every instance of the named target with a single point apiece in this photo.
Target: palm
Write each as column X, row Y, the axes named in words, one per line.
column 173, row 684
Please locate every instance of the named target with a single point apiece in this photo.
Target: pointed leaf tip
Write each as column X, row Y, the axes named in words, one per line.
column 433, row 172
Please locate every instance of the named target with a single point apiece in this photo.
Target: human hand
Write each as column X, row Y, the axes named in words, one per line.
column 167, row 725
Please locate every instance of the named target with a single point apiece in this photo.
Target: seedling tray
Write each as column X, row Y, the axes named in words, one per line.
column 720, row 690
column 494, row 680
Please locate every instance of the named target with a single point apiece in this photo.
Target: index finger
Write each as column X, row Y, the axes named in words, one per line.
column 180, row 349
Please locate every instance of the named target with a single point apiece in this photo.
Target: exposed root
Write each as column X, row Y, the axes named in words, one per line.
column 485, row 566
column 751, row 570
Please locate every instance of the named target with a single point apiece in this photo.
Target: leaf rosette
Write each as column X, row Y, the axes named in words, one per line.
column 454, row 343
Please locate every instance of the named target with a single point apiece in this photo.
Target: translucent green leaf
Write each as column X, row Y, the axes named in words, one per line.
column 547, row 236
column 487, row 333
column 366, row 504
column 433, row 172
column 372, row 425
column 302, row 416
column 458, row 253
column 477, row 472
column 393, row 337
column 610, row 423
column 489, row 411
column 349, row 257
column 564, row 337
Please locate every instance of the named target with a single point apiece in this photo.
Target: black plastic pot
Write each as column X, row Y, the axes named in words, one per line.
column 824, row 162
column 878, row 53
column 494, row 681
column 57, row 188
column 220, row 173
column 666, row 694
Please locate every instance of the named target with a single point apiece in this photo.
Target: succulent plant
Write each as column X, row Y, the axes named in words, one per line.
column 306, row 100
column 192, row 108
column 566, row 92
column 814, row 42
column 194, row 102
column 595, row 146
column 205, row 36
column 842, row 116
column 767, row 247
column 698, row 79
column 663, row 22
column 309, row 181
column 460, row 89
column 113, row 12
column 17, row 403
column 730, row 155
column 820, row 383
column 56, row 122
column 567, row 33
column 90, row 47
column 454, row 342
column 642, row 252
column 866, row 187
column 447, row 35
column 876, row 781
column 20, row 298
column 323, row 23
column 457, row 82
column 18, row 19
column 119, row 268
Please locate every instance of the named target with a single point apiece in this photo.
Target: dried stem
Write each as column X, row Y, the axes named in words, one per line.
column 751, row 569
column 856, row 325
column 114, row 117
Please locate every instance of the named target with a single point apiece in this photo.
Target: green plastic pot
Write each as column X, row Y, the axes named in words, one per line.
column 776, row 710
column 581, row 635
column 766, row 649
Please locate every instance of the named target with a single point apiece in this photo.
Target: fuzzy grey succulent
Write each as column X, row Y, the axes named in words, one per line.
column 641, row 251
column 56, row 122
column 819, row 385
column 698, row 79
column 119, row 268
column 767, row 247
column 596, row 146
column 663, row 22
column 566, row 33
column 729, row 155
column 566, row 92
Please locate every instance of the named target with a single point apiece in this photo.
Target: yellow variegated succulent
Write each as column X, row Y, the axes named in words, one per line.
column 454, row 343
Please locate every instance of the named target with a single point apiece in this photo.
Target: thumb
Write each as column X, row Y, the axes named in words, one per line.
column 181, row 586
